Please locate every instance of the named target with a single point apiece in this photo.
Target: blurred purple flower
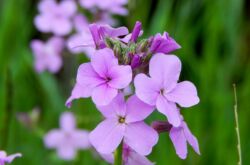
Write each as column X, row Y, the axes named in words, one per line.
column 163, row 44
column 68, row 139
column 101, row 78
column 162, row 89
column 7, row 159
column 180, row 136
column 114, row 7
column 124, row 122
column 47, row 55
column 55, row 17
column 129, row 156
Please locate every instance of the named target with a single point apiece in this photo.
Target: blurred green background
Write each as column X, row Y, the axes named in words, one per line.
column 215, row 40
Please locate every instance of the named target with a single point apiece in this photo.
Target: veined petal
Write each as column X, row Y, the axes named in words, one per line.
column 169, row 109
column 103, row 94
column 140, row 137
column 146, row 89
column 185, row 94
column 137, row 110
column 107, row 136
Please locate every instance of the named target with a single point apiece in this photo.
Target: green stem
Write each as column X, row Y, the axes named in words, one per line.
column 118, row 155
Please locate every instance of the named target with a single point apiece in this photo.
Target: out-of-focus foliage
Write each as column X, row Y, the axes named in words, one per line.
column 214, row 35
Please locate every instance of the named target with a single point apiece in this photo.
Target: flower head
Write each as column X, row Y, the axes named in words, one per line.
column 101, row 78
column 163, row 44
column 124, row 122
column 67, row 139
column 47, row 55
column 55, row 17
column 7, row 159
column 162, row 89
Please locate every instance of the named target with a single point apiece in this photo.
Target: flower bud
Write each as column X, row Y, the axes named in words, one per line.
column 161, row 126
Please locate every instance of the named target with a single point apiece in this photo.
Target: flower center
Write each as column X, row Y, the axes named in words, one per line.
column 162, row 91
column 121, row 119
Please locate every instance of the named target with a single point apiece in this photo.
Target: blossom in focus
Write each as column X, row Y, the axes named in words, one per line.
column 124, row 122
column 68, row 139
column 129, row 156
column 163, row 44
column 101, row 78
column 7, row 159
column 180, row 136
column 55, row 17
column 47, row 55
column 111, row 6
column 162, row 90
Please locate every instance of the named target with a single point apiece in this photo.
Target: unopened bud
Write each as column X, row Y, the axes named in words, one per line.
column 161, row 126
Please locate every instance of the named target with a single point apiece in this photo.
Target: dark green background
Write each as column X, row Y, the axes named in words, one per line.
column 215, row 40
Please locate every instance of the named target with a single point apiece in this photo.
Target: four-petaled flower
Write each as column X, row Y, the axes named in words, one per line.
column 55, row 18
column 7, row 159
column 68, row 139
column 47, row 55
column 162, row 90
column 101, row 78
column 124, row 122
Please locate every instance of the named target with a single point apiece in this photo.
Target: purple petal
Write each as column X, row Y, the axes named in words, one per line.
column 67, row 121
column 103, row 94
column 137, row 110
column 165, row 69
column 107, row 136
column 81, row 139
column 37, row 47
column 43, row 23
column 54, row 63
column 137, row 159
column 61, row 26
column 66, row 152
column 185, row 94
column 3, row 154
column 108, row 31
column 53, row 139
column 81, row 23
column 69, row 8
column 191, row 138
column 146, row 89
column 169, row 109
column 120, row 76
column 10, row 158
column 56, row 44
column 46, row 6
column 140, row 137
column 136, row 31
column 116, row 108
column 103, row 60
column 179, row 140
column 94, row 29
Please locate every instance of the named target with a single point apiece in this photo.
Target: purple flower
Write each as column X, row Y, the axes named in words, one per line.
column 100, row 32
column 161, row 88
column 114, row 7
column 180, row 136
column 55, row 17
column 129, row 156
column 101, row 78
column 136, row 31
column 47, row 55
column 7, row 159
column 124, row 122
column 164, row 44
column 68, row 139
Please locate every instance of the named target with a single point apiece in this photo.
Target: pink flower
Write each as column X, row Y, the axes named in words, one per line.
column 164, row 44
column 47, row 55
column 101, row 78
column 7, row 159
column 129, row 156
column 180, row 136
column 68, row 139
column 162, row 90
column 124, row 122
column 55, row 17
column 114, row 7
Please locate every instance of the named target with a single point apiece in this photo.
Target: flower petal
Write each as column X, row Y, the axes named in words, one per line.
column 185, row 94
column 46, row 6
column 120, row 76
column 170, row 110
column 66, row 152
column 69, row 8
column 61, row 26
column 54, row 63
column 137, row 110
column 107, row 136
column 179, row 140
column 53, row 139
column 137, row 159
column 10, row 158
column 146, row 89
column 67, row 121
column 103, row 60
column 103, row 94
column 140, row 137
column 81, row 139
column 191, row 138
column 43, row 23
column 165, row 69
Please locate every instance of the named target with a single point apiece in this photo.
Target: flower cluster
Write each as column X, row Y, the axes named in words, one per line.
column 121, row 59
column 68, row 26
